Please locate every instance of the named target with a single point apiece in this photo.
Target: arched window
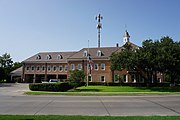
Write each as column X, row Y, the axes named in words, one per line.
column 59, row 57
column 48, row 57
column 85, row 53
column 99, row 53
column 38, row 57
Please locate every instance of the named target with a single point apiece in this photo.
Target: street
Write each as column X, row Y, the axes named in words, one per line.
column 18, row 103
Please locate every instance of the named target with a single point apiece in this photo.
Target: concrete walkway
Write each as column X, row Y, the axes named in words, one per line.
column 13, row 89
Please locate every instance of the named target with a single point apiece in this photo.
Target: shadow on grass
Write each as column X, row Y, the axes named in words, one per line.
column 161, row 89
column 87, row 90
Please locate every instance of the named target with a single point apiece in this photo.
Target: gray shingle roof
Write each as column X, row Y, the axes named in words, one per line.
column 105, row 53
column 49, row 57
column 17, row 71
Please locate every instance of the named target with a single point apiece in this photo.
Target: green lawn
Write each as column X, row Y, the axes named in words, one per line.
column 127, row 89
column 56, row 117
column 114, row 90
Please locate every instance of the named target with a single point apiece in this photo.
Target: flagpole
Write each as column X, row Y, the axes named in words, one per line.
column 87, row 66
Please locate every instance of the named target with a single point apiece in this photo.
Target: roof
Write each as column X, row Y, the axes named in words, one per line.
column 95, row 53
column 17, row 71
column 49, row 57
column 134, row 46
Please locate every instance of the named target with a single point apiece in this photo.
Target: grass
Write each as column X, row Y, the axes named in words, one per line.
column 57, row 117
column 114, row 90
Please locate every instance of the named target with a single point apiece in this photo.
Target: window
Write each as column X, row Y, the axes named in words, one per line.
column 49, row 68
column 133, row 78
column 54, row 68
column 32, row 68
column 48, row 57
column 37, row 68
column 79, row 66
column 99, row 53
column 27, row 68
column 85, row 53
column 125, row 78
column 159, row 80
column 60, row 68
column 89, row 78
column 102, row 79
column 43, row 68
column 96, row 66
column 65, row 68
column 116, row 78
column 102, row 66
column 72, row 67
column 38, row 57
column 59, row 57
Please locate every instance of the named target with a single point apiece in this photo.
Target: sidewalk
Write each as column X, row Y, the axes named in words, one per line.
column 13, row 89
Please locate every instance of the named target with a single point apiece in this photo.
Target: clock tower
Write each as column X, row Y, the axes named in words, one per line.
column 126, row 37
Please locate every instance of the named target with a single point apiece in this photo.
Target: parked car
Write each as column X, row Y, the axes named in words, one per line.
column 54, row 80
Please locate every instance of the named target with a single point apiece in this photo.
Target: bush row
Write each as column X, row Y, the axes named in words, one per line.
column 61, row 87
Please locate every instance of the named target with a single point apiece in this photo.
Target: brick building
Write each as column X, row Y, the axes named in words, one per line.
column 55, row 65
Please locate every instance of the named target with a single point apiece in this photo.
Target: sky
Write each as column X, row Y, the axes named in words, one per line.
column 28, row 27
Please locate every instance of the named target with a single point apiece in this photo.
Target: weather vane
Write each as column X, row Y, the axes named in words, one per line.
column 99, row 27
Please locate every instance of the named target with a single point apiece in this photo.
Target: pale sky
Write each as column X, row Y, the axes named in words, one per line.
column 31, row 26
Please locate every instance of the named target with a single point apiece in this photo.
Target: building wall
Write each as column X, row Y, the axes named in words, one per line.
column 96, row 74
column 37, row 72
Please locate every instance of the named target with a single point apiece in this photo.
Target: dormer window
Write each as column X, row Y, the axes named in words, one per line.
column 38, row 57
column 85, row 53
column 59, row 57
column 99, row 53
column 48, row 57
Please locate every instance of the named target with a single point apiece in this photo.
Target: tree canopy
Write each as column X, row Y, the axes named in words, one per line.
column 160, row 55
column 6, row 66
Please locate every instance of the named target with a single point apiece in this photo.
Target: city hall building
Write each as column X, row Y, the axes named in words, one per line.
column 56, row 65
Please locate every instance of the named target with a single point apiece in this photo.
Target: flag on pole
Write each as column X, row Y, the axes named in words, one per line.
column 90, row 64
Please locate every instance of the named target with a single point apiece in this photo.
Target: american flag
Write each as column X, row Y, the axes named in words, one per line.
column 90, row 64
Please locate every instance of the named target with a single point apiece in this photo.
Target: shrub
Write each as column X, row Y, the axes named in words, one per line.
column 76, row 78
column 62, row 87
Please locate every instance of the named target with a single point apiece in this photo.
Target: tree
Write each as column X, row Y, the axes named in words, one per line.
column 124, row 59
column 16, row 65
column 154, row 56
column 76, row 78
column 169, row 58
column 6, row 64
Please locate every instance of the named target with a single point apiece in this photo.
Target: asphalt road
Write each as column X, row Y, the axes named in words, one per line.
column 14, row 102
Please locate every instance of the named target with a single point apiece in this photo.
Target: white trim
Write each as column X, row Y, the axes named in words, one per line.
column 101, row 78
column 32, row 68
column 60, row 70
column 97, row 67
column 72, row 67
column 54, row 70
column 90, row 79
column 65, row 68
column 79, row 66
column 37, row 68
column 42, row 68
column 27, row 70
column 49, row 70
column 104, row 66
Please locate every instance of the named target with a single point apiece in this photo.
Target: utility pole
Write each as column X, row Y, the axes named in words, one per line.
column 99, row 27
column 87, row 65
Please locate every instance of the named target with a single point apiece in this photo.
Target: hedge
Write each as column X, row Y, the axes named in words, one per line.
column 61, row 87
